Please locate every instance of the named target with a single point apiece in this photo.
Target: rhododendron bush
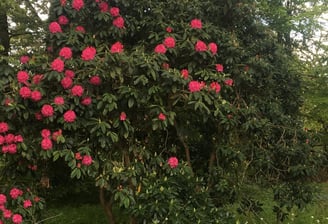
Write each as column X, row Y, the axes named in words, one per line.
column 127, row 103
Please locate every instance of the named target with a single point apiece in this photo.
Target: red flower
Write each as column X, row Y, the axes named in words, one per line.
column 185, row 73
column 65, row 52
column 24, row 59
column 200, row 46
column 160, row 49
column 80, row 29
column 69, row 73
column 59, row 100
column 169, row 29
column 219, row 67
column 123, row 116
column 213, row 48
column 4, row 127
column 195, row 86
column 77, row 90
column 228, row 82
column 3, row 199
column 10, row 138
column 114, row 11
column 78, row 156
column 169, row 42
column 46, row 144
column 54, row 27
column 36, row 95
column 45, row 133
column 86, row 101
column 22, row 76
column 7, row 213
column 62, row 20
column 47, row 110
column 87, row 160
column 17, row 219
column 77, row 4
column 89, row 53
column 56, row 134
column 116, row 48
column 173, row 162
column 57, row 65
column 215, row 86
column 69, row 116
column 18, row 138
column 95, row 80
column 162, row 117
column 25, row 92
column 118, row 22
column 103, row 6
column 66, row 82
column 15, row 193
column 37, row 79
column 27, row 203
column 196, row 24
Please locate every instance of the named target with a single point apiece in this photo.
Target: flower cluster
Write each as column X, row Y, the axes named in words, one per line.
column 85, row 160
column 8, row 141
column 18, row 205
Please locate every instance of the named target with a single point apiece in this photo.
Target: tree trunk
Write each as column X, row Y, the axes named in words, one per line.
column 4, row 33
column 107, row 206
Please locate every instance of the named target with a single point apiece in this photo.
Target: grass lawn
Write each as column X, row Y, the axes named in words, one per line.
column 91, row 213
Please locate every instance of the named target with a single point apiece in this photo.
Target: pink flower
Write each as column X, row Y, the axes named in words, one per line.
column 77, row 4
column 46, row 144
column 69, row 116
column 219, row 67
column 25, row 92
column 7, row 213
column 10, row 138
column 18, row 138
column 116, row 48
column 45, row 133
column 95, row 80
column 173, row 162
column 228, row 82
column 160, row 49
column 194, row 86
column 196, row 24
column 2, row 140
column 87, row 160
column 56, row 134
column 3, row 199
column 86, row 101
column 4, row 127
column 37, row 79
column 57, row 65
column 80, row 29
column 17, row 219
column 22, row 76
column 62, row 20
column 47, row 110
column 77, row 90
column 162, row 117
column 15, row 193
column 12, row 149
column 114, row 11
column 27, row 203
column 200, row 46
column 65, row 52
column 88, row 53
column 59, row 100
column 36, row 95
column 63, row 2
column 213, row 48
column 118, row 22
column 169, row 42
column 215, row 86
column 185, row 73
column 169, row 29
column 54, row 27
column 123, row 116
column 66, row 82
column 69, row 73
column 78, row 156
column 24, row 59
column 103, row 6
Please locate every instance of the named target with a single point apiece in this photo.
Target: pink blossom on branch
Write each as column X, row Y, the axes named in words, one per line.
column 25, row 92
column 47, row 110
column 77, row 90
column 65, row 52
column 66, row 82
column 118, row 22
column 213, row 48
column 15, row 193
column 117, row 47
column 69, row 116
column 22, row 76
column 95, row 80
column 87, row 160
column 173, row 162
column 169, row 42
column 54, row 27
column 200, row 46
column 161, row 117
column 215, row 86
column 57, row 65
column 62, row 20
column 17, row 219
column 4, row 127
column 123, row 116
column 160, row 49
column 219, row 67
column 184, row 73
column 36, row 95
column 196, row 24
column 46, row 144
column 88, row 53
column 69, row 73
column 77, row 4
column 114, row 11
column 24, row 59
column 195, row 86
column 228, row 82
